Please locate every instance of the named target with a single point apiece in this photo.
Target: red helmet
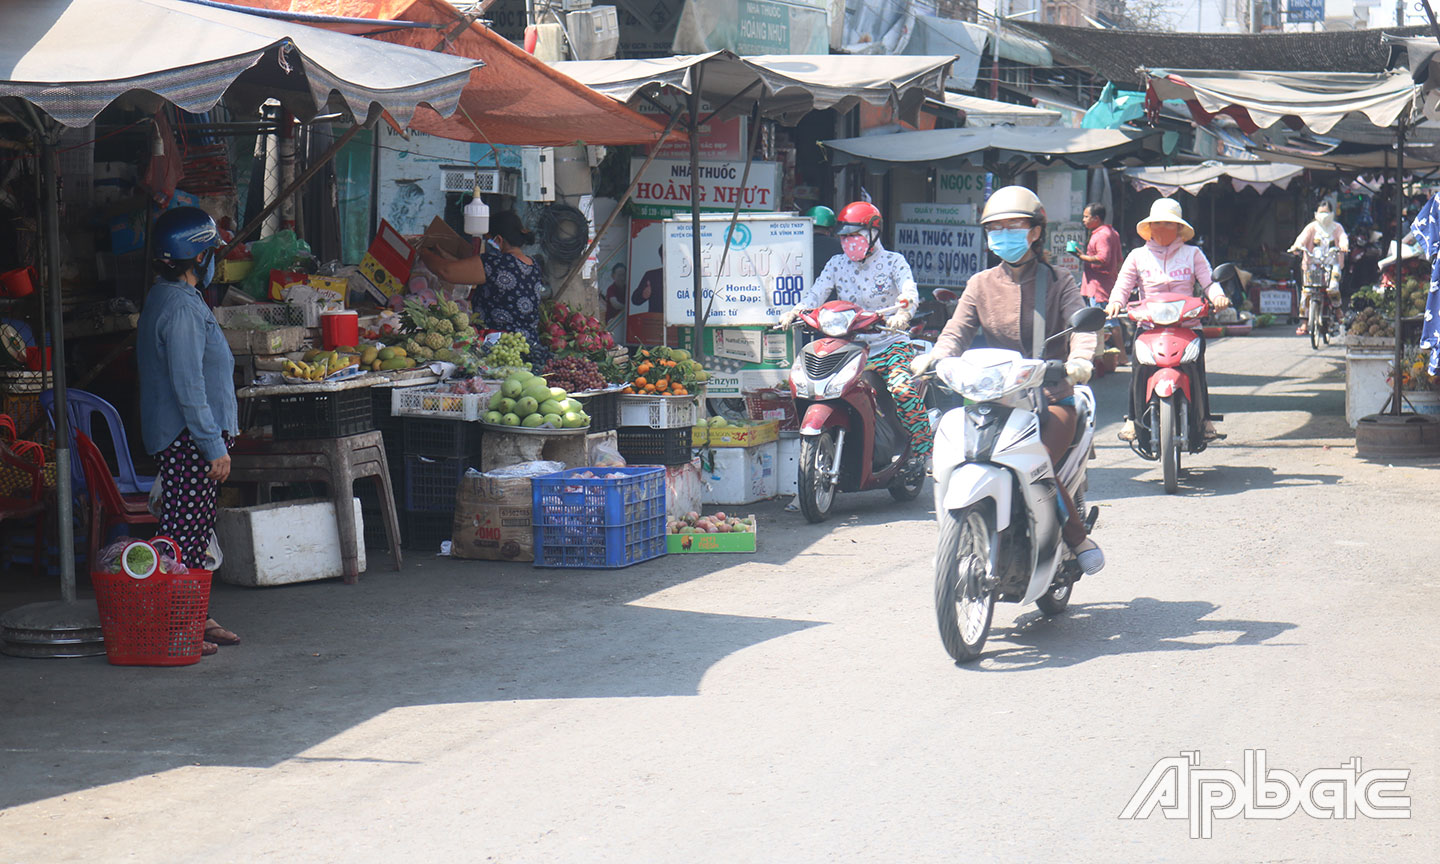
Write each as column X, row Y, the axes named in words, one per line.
column 858, row 216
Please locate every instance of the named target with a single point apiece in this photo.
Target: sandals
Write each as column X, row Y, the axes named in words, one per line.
column 218, row 635
column 207, row 648
column 1127, row 433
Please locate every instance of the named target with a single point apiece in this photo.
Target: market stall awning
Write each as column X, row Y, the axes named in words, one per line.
column 513, row 99
column 1366, row 162
column 1316, row 100
column 786, row 86
column 990, row 112
column 996, row 144
column 1193, row 178
column 72, row 58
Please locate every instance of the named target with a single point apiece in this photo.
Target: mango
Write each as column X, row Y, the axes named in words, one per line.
column 369, row 355
column 387, row 354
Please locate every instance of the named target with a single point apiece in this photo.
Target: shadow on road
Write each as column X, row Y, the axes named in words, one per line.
column 1202, row 481
column 1088, row 631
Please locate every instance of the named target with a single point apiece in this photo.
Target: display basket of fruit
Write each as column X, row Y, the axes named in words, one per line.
column 526, row 403
column 599, row 517
column 717, row 533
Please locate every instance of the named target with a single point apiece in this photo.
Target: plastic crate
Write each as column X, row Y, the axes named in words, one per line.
column 423, row 531
column 434, row 402
column 657, row 412
column 599, row 522
column 259, row 316
column 604, row 410
column 441, row 439
column 321, row 415
column 654, row 446
column 430, row 484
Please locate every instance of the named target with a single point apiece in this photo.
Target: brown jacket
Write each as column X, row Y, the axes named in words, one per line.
column 1001, row 302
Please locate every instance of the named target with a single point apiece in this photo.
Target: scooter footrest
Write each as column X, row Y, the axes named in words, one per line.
column 1217, row 418
column 1091, row 517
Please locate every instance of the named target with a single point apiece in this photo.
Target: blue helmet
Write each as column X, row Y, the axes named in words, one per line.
column 183, row 233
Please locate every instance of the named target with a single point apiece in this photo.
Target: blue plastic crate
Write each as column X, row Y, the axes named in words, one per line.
column 599, row 522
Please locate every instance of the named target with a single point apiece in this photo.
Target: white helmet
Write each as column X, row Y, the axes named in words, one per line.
column 1013, row 202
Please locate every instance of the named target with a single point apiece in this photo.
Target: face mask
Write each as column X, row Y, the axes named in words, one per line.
column 1010, row 244
column 856, row 247
column 1325, row 220
column 207, row 270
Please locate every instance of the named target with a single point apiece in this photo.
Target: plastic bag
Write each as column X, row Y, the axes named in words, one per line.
column 279, row 252
column 107, row 560
column 607, row 455
column 527, row 469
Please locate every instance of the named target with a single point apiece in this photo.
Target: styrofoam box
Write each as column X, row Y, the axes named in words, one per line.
column 284, row 542
column 787, row 464
column 742, row 475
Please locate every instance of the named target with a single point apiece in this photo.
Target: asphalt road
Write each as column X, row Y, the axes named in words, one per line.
column 796, row 705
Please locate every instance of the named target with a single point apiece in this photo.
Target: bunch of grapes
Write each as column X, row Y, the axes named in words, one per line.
column 508, row 351
column 575, row 373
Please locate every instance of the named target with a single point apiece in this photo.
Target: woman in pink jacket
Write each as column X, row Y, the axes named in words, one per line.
column 1167, row 263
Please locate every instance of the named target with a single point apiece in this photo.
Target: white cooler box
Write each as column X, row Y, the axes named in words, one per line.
column 742, row 475
column 787, row 464
column 284, row 542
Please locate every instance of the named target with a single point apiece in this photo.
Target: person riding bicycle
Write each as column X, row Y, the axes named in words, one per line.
column 873, row 278
column 1323, row 230
column 1167, row 263
column 1000, row 302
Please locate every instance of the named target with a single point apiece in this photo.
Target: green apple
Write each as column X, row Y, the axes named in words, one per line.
column 511, row 419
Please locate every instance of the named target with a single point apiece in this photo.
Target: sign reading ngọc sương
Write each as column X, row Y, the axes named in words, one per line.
column 940, row 256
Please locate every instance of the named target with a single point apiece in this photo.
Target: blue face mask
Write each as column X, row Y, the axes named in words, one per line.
column 1010, row 244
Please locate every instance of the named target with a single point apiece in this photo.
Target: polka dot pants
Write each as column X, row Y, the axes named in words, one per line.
column 188, row 498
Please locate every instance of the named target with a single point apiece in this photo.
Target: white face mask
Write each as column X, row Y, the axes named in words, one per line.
column 1325, row 220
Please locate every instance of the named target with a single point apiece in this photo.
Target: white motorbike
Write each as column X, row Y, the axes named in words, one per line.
column 995, row 493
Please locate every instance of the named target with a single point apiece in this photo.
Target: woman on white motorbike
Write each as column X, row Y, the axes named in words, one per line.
column 873, row 278
column 1167, row 263
column 1001, row 303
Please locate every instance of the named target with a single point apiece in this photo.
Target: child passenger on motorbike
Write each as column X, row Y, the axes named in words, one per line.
column 1167, row 263
column 1001, row 303
column 873, row 278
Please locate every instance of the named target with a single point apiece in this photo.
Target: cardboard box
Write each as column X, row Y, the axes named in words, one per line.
column 386, row 265
column 442, row 237
column 735, row 436
column 493, row 519
column 746, row 541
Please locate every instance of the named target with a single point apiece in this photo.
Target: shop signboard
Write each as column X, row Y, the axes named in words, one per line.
column 960, row 187
column 742, row 359
column 938, row 214
column 1304, row 11
column 765, row 271
column 664, row 188
column 1057, row 237
column 940, row 256
column 720, row 139
column 753, row 27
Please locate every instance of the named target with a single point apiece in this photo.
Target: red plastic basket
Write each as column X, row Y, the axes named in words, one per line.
column 156, row 621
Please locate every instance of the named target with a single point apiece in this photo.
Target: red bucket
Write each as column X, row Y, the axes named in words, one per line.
column 339, row 328
column 155, row 621
column 18, row 283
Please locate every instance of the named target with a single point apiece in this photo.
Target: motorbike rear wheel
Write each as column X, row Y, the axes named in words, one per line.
column 817, row 491
column 1314, row 322
column 964, row 598
column 1327, row 321
column 1170, row 444
column 907, row 486
column 1055, row 601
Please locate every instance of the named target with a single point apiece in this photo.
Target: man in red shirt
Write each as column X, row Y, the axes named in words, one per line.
column 1101, row 260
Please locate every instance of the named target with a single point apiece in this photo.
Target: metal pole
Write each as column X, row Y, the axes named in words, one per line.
column 697, row 289
column 64, row 495
column 995, row 57
column 1399, row 263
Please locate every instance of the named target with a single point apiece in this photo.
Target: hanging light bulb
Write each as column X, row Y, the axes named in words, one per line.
column 477, row 216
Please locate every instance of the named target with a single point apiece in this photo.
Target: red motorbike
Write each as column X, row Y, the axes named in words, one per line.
column 1167, row 424
column 851, row 435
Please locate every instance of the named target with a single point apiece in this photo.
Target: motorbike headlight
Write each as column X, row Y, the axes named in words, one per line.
column 798, row 376
column 981, row 383
column 837, row 384
column 1143, row 355
column 1167, row 313
column 1191, row 353
column 833, row 323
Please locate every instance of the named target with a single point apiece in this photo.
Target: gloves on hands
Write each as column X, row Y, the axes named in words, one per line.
column 899, row 321
column 1072, row 247
column 1079, row 370
column 922, row 363
column 789, row 318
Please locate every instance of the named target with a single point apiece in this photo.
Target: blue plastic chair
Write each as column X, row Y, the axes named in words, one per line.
column 82, row 407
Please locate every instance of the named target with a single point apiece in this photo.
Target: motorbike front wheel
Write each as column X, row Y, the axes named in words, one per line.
column 817, row 490
column 1170, row 444
column 964, row 599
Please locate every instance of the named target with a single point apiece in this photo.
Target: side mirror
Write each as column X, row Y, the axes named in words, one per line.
column 1228, row 275
column 1091, row 319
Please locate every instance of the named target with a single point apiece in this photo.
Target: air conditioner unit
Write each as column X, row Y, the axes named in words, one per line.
column 594, row 33
column 464, row 178
column 537, row 172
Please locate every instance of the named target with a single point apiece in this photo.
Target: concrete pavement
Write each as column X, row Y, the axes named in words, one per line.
column 794, row 705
